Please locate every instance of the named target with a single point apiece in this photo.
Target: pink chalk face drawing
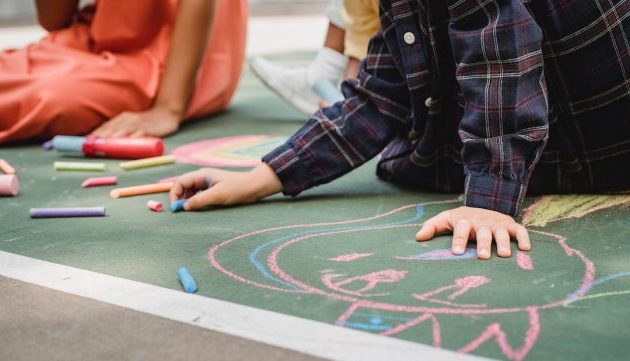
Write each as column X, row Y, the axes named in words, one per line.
column 380, row 280
column 238, row 151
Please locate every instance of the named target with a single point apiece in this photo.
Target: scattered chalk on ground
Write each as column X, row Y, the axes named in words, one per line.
column 155, row 206
column 67, row 212
column 48, row 145
column 178, row 205
column 187, row 280
column 6, row 168
column 148, row 162
column 9, row 185
column 80, row 166
column 100, row 181
column 141, row 190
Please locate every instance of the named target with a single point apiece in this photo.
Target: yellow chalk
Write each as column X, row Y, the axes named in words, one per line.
column 80, row 166
column 6, row 167
column 141, row 190
column 148, row 162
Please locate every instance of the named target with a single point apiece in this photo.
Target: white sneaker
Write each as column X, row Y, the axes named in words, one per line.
column 290, row 83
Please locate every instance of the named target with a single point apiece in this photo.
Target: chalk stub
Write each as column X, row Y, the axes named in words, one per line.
column 178, row 205
column 155, row 206
column 6, row 167
column 141, row 190
column 99, row 181
column 67, row 212
column 80, row 166
column 187, row 280
column 148, row 162
column 9, row 185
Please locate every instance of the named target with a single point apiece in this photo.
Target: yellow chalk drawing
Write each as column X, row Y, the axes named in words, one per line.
column 557, row 207
column 598, row 295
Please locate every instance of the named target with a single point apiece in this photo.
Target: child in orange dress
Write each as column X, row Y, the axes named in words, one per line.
column 122, row 68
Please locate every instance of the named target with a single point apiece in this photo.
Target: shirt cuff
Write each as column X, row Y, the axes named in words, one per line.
column 496, row 194
column 291, row 170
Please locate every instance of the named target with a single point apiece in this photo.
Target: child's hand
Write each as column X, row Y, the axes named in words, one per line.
column 476, row 223
column 155, row 122
column 214, row 187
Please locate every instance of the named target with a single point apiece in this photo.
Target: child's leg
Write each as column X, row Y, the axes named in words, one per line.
column 295, row 84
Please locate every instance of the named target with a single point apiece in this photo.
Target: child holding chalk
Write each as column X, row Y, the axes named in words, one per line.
column 122, row 68
column 497, row 99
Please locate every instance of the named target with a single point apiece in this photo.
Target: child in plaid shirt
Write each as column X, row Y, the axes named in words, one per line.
column 497, row 98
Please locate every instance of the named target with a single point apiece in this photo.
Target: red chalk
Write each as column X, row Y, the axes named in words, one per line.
column 99, row 181
column 9, row 185
column 155, row 206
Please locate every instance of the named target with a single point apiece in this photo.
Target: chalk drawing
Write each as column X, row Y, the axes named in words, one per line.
column 390, row 294
column 238, row 151
column 558, row 207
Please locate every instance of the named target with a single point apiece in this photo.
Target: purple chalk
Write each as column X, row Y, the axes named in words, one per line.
column 48, row 145
column 67, row 212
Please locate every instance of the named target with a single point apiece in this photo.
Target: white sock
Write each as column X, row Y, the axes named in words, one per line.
column 328, row 64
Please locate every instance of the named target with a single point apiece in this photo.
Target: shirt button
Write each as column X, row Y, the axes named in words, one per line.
column 428, row 102
column 409, row 38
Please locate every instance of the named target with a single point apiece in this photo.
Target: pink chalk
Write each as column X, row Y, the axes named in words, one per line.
column 155, row 206
column 9, row 185
column 99, row 181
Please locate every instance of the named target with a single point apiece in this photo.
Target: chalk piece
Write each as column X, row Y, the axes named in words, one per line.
column 6, row 167
column 327, row 90
column 99, row 181
column 155, row 206
column 187, row 280
column 9, row 185
column 178, row 205
column 81, row 166
column 148, row 162
column 67, row 212
column 48, row 145
column 141, row 190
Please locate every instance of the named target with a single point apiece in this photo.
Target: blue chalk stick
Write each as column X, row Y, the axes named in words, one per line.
column 178, row 205
column 187, row 280
column 327, row 90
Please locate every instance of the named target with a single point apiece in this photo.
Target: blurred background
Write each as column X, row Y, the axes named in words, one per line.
column 267, row 33
column 21, row 12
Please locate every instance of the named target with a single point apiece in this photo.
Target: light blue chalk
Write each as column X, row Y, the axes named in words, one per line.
column 63, row 143
column 187, row 280
column 327, row 90
column 178, row 205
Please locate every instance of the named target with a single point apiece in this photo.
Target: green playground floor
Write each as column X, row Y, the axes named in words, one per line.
column 567, row 299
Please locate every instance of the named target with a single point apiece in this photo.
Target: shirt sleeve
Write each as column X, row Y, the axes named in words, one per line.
column 362, row 22
column 497, row 46
column 341, row 138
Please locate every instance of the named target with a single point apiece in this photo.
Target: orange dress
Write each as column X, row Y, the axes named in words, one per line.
column 108, row 61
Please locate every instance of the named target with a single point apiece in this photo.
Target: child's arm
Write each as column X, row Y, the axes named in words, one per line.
column 213, row 187
column 188, row 43
column 56, row 14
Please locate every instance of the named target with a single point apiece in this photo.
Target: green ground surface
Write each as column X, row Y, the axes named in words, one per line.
column 571, row 304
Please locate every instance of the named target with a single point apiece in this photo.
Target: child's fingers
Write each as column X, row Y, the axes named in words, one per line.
column 522, row 236
column 461, row 233
column 502, row 238
column 188, row 184
column 484, row 242
column 434, row 226
column 209, row 197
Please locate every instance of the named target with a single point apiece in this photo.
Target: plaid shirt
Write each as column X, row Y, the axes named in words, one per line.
column 484, row 96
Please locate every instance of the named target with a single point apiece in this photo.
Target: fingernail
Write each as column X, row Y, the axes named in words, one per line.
column 483, row 253
column 504, row 250
column 458, row 250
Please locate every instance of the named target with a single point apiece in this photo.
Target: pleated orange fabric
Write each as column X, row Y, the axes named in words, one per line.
column 109, row 61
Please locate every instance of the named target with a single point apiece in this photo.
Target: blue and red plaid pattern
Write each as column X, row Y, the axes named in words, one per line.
column 493, row 97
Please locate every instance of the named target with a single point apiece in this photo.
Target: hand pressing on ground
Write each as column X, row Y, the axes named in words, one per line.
column 156, row 122
column 214, row 187
column 482, row 225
